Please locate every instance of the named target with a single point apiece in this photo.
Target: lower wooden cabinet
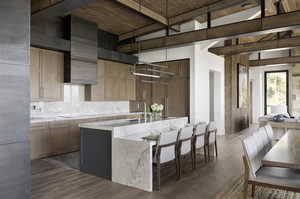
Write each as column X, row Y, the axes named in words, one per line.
column 40, row 143
column 59, row 137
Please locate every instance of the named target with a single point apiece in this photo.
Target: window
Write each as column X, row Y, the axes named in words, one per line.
column 276, row 89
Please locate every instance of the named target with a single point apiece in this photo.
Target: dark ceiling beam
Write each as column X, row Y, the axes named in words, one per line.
column 188, row 16
column 60, row 9
column 275, row 61
column 268, row 45
column 148, row 13
column 270, row 24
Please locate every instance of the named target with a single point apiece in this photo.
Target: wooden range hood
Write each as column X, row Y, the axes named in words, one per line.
column 81, row 61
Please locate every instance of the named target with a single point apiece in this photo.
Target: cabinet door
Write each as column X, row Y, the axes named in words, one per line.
column 52, row 64
column 39, row 141
column 74, row 138
column 131, row 89
column 59, row 136
column 97, row 90
column 35, row 73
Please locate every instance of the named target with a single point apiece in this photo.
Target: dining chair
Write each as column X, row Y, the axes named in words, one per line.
column 270, row 133
column 211, row 138
column 166, row 152
column 257, row 174
column 198, row 142
column 184, row 147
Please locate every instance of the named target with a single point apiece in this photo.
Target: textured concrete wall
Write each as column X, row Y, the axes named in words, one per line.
column 14, row 99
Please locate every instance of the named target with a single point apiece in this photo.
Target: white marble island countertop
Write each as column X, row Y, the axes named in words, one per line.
column 131, row 153
column 110, row 125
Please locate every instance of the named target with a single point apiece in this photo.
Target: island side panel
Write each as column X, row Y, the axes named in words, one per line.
column 96, row 153
column 132, row 163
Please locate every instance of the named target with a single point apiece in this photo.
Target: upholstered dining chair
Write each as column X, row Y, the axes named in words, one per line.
column 184, row 147
column 165, row 152
column 258, row 174
column 270, row 133
column 211, row 138
column 198, row 142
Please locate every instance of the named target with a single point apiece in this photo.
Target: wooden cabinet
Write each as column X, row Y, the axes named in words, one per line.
column 114, row 82
column 40, row 143
column 173, row 92
column 74, row 136
column 52, row 66
column 59, row 136
column 46, row 75
column 35, row 73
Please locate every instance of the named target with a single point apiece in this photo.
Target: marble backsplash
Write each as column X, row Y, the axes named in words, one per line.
column 78, row 108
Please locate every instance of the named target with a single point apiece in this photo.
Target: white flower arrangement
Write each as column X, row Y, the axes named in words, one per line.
column 157, row 108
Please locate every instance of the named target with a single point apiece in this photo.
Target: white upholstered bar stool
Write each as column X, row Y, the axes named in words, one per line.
column 185, row 139
column 211, row 138
column 166, row 152
column 199, row 137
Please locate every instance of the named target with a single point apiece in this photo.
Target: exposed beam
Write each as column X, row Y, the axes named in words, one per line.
column 145, row 11
column 220, row 5
column 60, row 9
column 275, row 61
column 148, row 12
column 257, row 46
column 271, row 24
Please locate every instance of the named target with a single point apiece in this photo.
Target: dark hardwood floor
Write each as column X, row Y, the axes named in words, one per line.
column 53, row 179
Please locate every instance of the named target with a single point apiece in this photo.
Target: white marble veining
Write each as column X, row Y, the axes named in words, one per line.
column 131, row 154
column 53, row 111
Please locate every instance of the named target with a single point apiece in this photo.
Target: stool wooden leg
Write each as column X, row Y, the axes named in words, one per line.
column 216, row 148
column 253, row 190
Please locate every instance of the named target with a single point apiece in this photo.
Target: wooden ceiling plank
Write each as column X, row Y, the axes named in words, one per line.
column 60, row 8
column 149, row 13
column 265, row 25
column 145, row 11
column 288, row 43
column 220, row 5
column 275, row 61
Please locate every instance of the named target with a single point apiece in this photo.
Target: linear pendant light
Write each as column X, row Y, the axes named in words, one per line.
column 145, row 75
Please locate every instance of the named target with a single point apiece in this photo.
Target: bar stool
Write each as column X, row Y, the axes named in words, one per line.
column 185, row 139
column 166, row 152
column 199, row 137
column 211, row 138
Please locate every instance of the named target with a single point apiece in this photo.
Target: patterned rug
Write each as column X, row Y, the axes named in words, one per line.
column 235, row 191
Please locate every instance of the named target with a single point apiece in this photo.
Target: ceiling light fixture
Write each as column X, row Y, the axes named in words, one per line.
column 145, row 75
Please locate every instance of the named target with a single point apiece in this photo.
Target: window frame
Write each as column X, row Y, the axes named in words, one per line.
column 287, row 88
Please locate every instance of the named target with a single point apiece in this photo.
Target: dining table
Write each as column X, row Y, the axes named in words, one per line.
column 286, row 152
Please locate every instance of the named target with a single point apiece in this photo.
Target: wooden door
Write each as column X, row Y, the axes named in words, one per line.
column 52, row 64
column 35, row 74
column 39, row 141
column 59, row 137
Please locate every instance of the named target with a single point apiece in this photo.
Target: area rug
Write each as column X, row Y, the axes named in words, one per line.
column 235, row 191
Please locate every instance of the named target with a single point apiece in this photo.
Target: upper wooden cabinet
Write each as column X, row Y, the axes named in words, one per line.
column 114, row 82
column 46, row 75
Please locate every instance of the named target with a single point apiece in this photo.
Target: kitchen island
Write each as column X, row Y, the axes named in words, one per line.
column 119, row 150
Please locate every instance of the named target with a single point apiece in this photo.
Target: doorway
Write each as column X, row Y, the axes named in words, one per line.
column 215, row 97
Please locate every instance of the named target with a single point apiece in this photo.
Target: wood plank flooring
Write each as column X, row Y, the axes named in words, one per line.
column 53, row 180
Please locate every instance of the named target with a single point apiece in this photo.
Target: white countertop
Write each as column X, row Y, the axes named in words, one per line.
column 110, row 125
column 40, row 119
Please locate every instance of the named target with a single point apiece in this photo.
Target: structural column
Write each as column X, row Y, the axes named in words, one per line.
column 14, row 99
